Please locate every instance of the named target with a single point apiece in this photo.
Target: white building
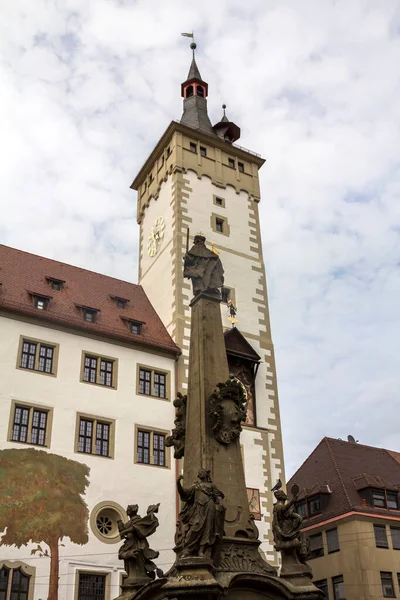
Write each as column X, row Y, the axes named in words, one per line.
column 88, row 367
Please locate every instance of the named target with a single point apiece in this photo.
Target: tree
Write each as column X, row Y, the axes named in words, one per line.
column 41, row 501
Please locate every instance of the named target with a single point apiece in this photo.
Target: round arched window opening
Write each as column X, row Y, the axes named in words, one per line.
column 200, row 91
column 104, row 521
column 189, row 91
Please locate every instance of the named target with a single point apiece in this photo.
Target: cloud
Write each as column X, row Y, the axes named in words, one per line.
column 88, row 88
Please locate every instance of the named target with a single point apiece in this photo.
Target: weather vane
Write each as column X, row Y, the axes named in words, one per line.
column 193, row 46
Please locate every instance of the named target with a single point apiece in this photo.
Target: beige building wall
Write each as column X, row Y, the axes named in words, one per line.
column 188, row 185
column 358, row 560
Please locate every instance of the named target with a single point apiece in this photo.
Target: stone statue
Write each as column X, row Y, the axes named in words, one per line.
column 201, row 520
column 288, row 539
column 177, row 437
column 204, row 268
column 135, row 551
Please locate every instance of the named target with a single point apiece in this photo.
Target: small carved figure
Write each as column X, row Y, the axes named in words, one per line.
column 286, row 525
column 204, row 268
column 135, row 551
column 177, row 437
column 227, row 409
column 201, row 520
column 232, row 309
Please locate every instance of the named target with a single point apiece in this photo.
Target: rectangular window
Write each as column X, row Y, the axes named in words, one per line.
column 152, row 382
column 380, row 536
column 29, row 424
column 143, row 447
column 301, row 509
column 106, row 369
column 37, row 356
column 322, row 585
column 395, row 533
column 145, row 382
column 378, row 498
column 219, row 225
column 392, row 500
column 241, row 167
column 89, row 315
column 159, row 384
column 314, row 505
column 203, row 151
column 94, row 436
column 231, row 163
column 193, row 147
column 219, row 201
column 41, row 302
column 135, row 328
column 338, row 588
column 316, row 545
column 99, row 370
column 387, row 585
column 150, row 447
column 332, row 539
column 159, row 449
column 91, row 586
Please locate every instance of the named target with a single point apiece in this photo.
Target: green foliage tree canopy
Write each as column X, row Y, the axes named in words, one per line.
column 41, row 498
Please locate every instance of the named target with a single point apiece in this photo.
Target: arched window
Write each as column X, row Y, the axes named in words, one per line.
column 189, row 91
column 19, row 585
column 200, row 91
column 14, row 581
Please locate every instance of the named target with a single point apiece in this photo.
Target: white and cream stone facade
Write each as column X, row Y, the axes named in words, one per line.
column 195, row 182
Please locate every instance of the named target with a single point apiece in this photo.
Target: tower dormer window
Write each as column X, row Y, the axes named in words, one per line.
column 200, row 91
column 189, row 91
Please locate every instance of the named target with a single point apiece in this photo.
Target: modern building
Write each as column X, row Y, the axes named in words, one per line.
column 90, row 365
column 197, row 179
column 349, row 501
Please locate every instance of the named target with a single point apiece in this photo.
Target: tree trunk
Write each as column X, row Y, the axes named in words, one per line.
column 54, row 569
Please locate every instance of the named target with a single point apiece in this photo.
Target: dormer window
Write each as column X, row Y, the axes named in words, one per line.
column 120, row 302
column 56, row 284
column 314, row 505
column 41, row 302
column 200, row 91
column 385, row 499
column 89, row 315
column 135, row 327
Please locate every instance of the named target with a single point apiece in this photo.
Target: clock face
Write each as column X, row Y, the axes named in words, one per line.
column 156, row 235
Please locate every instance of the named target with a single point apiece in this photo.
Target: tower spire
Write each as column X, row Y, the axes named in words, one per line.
column 194, row 92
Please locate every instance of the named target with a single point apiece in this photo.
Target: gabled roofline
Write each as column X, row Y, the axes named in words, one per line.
column 177, row 126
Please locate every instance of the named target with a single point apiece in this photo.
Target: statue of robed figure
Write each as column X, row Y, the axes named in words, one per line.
column 204, row 268
column 135, row 551
column 201, row 520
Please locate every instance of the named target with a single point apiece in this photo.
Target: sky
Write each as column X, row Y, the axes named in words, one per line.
column 87, row 89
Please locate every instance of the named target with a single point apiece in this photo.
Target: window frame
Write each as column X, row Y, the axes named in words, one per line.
column 39, row 343
column 379, row 527
column 230, row 161
column 31, row 407
column 106, row 574
column 151, row 431
column 154, row 371
column 95, row 420
column 338, row 579
column 203, row 151
column 388, row 575
column 325, row 584
column 318, row 552
column 335, row 549
column 241, row 167
column 193, row 147
column 394, row 537
column 26, row 570
column 216, row 200
column 225, row 225
column 99, row 359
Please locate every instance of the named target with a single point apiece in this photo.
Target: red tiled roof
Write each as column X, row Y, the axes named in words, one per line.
column 346, row 467
column 23, row 274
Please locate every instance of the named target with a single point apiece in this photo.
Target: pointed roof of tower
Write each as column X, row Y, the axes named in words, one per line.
column 194, row 72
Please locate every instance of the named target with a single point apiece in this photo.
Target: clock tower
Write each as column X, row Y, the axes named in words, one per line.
column 197, row 179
